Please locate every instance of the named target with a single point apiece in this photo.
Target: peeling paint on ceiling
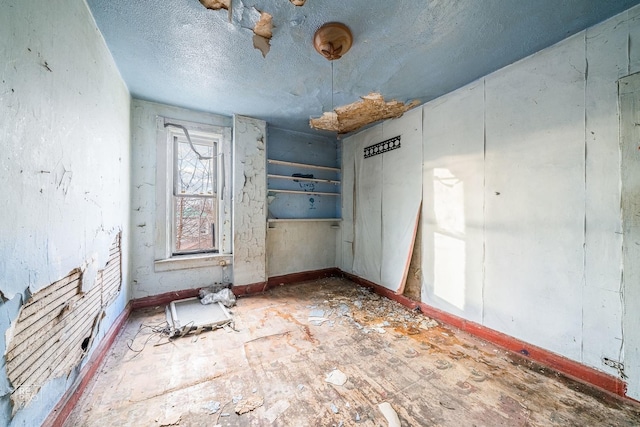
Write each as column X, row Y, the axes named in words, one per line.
column 262, row 33
column 349, row 118
column 177, row 52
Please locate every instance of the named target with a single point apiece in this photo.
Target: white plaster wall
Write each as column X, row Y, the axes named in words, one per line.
column 534, row 227
column 538, row 147
column 453, row 202
column 64, row 127
column 145, row 280
column 294, row 247
column 249, row 201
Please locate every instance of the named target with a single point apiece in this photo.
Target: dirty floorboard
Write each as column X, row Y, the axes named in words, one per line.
column 431, row 374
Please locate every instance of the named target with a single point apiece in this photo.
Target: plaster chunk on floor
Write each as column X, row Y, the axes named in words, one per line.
column 216, row 4
column 351, row 117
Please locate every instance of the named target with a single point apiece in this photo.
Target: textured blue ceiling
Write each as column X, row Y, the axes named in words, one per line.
column 179, row 53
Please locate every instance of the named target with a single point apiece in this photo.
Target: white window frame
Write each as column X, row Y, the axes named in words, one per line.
column 165, row 260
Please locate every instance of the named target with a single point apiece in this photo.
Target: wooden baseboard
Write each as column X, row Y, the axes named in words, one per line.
column 285, row 279
column 251, row 289
column 61, row 411
column 304, row 276
column 561, row 364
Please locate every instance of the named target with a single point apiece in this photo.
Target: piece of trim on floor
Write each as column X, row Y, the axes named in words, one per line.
column 570, row 368
column 62, row 410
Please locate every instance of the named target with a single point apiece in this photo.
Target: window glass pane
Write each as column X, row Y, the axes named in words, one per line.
column 195, row 175
column 195, row 224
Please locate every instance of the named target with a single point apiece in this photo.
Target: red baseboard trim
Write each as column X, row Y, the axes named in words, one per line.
column 285, row 279
column 304, row 276
column 251, row 289
column 61, row 411
column 162, row 299
column 561, row 364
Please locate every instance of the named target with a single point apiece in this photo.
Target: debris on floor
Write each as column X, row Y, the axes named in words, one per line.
column 390, row 414
column 429, row 373
column 212, row 407
column 276, row 410
column 316, row 317
column 336, row 377
column 249, row 404
column 188, row 315
column 212, row 295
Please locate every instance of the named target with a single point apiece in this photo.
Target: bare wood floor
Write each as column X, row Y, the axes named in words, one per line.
column 430, row 374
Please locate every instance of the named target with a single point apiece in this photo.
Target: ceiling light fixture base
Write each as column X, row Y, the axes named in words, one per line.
column 332, row 40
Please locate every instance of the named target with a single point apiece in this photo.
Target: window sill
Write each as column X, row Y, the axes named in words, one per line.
column 192, row 261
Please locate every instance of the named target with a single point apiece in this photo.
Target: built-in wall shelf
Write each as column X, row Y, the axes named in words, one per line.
column 302, row 178
column 302, row 165
column 317, row 193
column 304, row 219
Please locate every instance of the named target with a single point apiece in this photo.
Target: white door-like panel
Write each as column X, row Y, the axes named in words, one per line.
column 368, row 209
column 630, row 171
column 535, row 198
column 401, row 196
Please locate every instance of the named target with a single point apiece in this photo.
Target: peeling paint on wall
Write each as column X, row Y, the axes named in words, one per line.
column 249, row 237
column 56, row 327
column 297, row 2
column 351, row 117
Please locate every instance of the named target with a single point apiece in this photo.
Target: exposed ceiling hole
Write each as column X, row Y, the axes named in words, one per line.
column 351, row 117
column 216, row 4
column 263, row 33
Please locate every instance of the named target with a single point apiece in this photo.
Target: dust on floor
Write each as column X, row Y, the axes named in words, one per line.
column 273, row 370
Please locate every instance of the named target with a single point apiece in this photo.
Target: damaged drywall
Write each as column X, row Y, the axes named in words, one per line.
column 56, row 327
column 372, row 108
column 297, row 2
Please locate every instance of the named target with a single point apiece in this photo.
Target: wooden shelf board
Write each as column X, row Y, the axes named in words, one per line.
column 304, row 219
column 295, row 178
column 302, row 165
column 317, row 193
